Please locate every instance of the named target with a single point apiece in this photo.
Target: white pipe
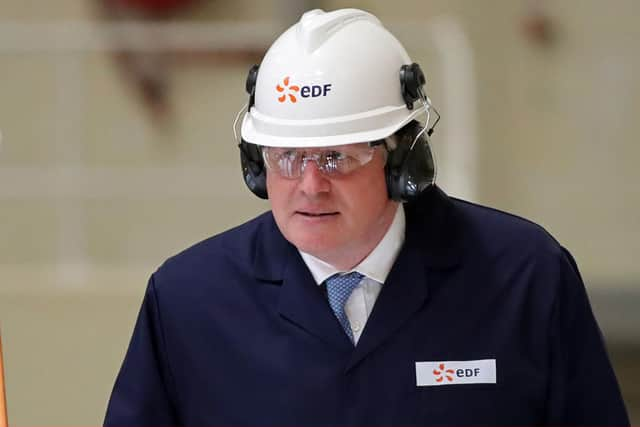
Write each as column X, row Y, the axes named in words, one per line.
column 459, row 173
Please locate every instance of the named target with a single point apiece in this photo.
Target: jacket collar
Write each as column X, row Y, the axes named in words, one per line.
column 435, row 226
column 270, row 250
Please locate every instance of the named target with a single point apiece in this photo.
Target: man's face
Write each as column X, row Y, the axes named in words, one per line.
column 339, row 219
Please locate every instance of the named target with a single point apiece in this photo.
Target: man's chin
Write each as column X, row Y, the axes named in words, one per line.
column 317, row 246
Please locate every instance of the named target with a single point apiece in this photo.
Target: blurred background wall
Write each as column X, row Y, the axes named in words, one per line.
column 117, row 151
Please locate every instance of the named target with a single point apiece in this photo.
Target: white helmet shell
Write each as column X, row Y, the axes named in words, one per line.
column 331, row 79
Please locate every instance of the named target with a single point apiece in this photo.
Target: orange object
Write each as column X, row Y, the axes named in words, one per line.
column 3, row 399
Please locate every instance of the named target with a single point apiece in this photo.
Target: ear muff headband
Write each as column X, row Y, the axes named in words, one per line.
column 411, row 81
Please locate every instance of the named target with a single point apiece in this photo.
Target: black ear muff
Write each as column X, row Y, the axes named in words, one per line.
column 251, row 161
column 253, row 171
column 409, row 171
column 411, row 80
column 410, row 167
column 393, row 171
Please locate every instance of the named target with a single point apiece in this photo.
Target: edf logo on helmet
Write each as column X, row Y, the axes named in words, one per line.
column 310, row 91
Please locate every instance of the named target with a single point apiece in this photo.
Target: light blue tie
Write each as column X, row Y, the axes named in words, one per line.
column 339, row 288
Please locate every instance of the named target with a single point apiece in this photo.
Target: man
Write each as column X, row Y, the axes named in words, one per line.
column 366, row 296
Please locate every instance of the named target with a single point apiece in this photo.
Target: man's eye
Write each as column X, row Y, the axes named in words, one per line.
column 336, row 155
column 286, row 154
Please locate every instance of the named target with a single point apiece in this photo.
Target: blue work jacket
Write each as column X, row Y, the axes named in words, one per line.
column 235, row 332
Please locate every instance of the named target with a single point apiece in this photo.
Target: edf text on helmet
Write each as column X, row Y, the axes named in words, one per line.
column 315, row 91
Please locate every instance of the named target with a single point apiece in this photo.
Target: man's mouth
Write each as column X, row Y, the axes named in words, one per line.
column 316, row 214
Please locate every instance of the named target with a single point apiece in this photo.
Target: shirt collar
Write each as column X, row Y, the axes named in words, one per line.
column 377, row 264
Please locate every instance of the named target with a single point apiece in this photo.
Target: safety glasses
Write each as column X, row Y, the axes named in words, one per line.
column 335, row 161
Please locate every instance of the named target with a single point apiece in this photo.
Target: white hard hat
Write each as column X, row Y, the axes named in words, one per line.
column 331, row 79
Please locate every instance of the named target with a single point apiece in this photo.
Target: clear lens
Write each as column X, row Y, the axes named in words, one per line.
column 332, row 161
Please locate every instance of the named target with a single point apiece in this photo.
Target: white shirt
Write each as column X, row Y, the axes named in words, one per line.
column 375, row 268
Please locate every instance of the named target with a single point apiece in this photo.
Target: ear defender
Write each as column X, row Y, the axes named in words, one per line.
column 251, row 161
column 409, row 171
column 410, row 167
column 253, row 170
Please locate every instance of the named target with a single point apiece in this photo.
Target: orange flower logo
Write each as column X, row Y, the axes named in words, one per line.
column 288, row 89
column 442, row 373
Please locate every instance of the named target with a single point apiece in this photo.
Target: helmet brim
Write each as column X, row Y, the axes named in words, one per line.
column 263, row 130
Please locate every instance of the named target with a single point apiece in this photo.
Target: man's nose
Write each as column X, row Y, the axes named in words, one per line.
column 313, row 181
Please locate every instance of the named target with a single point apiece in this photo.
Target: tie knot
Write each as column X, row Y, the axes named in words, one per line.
column 341, row 283
column 340, row 287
